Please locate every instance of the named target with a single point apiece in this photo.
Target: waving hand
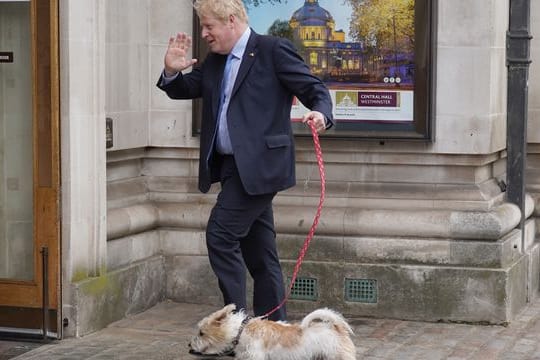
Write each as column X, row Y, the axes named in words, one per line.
column 175, row 57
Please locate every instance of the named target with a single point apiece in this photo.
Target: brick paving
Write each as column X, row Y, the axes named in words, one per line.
column 10, row 349
column 163, row 332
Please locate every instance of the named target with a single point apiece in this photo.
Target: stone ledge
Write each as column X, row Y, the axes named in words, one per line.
column 351, row 152
column 131, row 220
column 479, row 197
column 372, row 250
column 410, row 251
column 471, row 197
column 335, row 221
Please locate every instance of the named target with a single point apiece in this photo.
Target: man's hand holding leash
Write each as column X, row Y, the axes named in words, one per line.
column 317, row 119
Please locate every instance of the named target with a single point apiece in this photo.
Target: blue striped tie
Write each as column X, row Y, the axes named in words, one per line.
column 223, row 140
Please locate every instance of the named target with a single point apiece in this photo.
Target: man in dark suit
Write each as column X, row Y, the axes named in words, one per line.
column 247, row 83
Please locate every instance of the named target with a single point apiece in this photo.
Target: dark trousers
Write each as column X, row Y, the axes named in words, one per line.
column 240, row 234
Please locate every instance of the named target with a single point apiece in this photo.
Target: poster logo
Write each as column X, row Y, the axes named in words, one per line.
column 378, row 99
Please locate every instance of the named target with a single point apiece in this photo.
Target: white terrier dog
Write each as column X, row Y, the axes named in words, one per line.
column 323, row 335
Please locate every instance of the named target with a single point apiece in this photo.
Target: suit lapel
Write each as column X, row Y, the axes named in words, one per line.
column 250, row 54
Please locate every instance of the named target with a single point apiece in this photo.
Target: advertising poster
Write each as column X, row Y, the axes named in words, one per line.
column 364, row 51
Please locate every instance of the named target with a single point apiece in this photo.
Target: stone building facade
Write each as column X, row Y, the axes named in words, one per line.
column 423, row 227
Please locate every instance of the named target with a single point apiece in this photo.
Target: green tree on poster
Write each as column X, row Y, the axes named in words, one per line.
column 383, row 26
column 282, row 29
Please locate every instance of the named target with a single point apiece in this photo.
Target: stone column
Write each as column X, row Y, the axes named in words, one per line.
column 533, row 130
column 82, row 84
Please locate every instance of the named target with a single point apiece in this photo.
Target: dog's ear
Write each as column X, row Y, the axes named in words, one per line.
column 226, row 311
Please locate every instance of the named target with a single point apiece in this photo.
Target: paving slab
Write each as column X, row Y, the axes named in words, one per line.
column 163, row 332
column 10, row 349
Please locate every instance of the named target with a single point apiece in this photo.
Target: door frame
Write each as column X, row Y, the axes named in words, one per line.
column 24, row 304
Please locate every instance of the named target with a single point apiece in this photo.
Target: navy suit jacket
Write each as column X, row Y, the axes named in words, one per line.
column 259, row 114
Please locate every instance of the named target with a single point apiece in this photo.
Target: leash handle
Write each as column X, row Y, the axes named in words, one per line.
column 311, row 233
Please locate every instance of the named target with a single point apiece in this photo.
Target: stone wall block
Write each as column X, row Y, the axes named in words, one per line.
column 131, row 249
column 183, row 242
column 128, row 169
column 420, row 292
column 533, row 284
column 188, row 215
column 190, row 279
column 321, row 248
column 99, row 301
column 432, row 251
column 126, row 193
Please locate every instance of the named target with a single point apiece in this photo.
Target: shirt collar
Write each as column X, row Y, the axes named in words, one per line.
column 240, row 46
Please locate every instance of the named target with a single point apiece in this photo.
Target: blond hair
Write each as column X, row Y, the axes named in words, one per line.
column 221, row 9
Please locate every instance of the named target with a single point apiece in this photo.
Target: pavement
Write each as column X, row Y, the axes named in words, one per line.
column 164, row 331
column 10, row 349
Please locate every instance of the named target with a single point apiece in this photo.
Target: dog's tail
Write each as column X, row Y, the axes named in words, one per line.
column 326, row 316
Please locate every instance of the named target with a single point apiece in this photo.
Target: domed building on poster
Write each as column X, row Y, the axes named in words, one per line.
column 323, row 48
column 314, row 25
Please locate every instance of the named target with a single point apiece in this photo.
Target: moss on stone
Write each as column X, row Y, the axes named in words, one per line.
column 79, row 275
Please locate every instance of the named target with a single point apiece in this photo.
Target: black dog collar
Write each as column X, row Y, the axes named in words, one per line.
column 230, row 351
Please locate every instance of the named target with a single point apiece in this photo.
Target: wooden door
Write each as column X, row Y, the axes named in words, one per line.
column 29, row 168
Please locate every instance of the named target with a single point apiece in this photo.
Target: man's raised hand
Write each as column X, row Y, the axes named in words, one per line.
column 175, row 57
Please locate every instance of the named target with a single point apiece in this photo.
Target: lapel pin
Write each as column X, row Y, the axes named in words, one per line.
column 252, row 54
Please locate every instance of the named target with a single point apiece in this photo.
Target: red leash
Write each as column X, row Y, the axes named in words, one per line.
column 309, row 237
